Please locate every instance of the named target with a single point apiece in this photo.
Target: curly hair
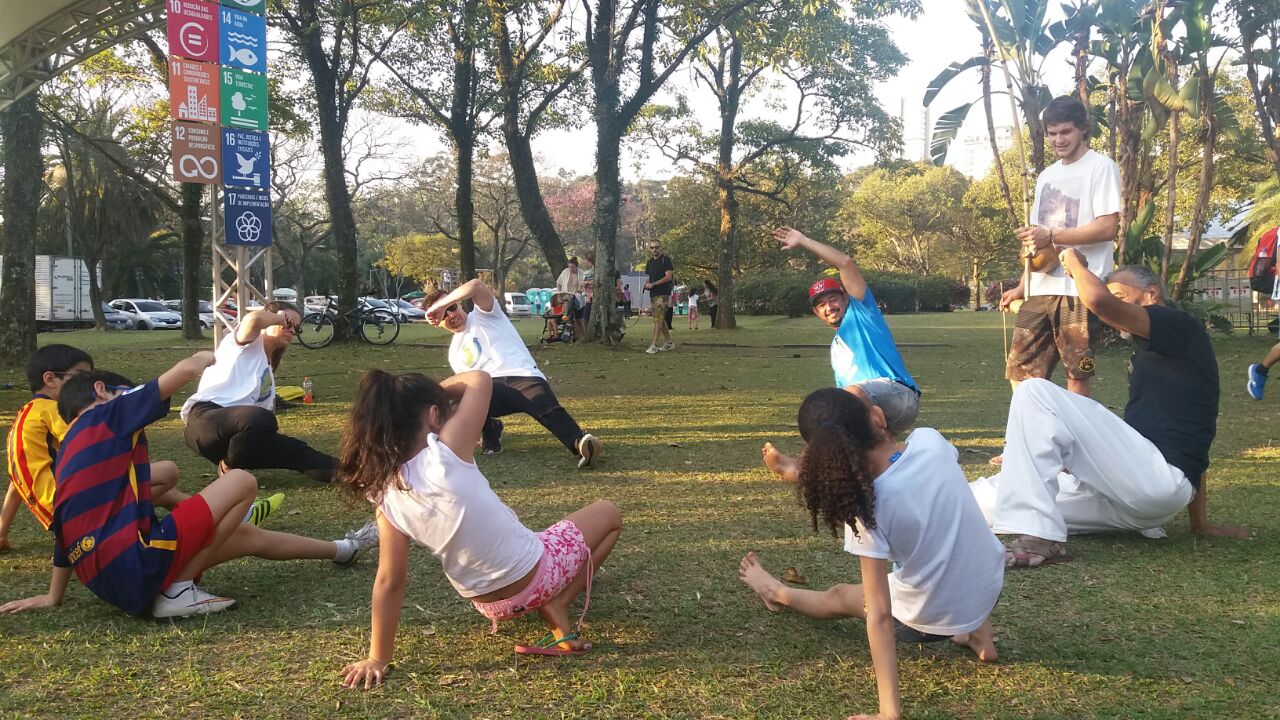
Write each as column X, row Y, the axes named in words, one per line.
column 836, row 481
column 385, row 425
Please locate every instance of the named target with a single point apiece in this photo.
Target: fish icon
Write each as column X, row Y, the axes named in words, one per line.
column 244, row 56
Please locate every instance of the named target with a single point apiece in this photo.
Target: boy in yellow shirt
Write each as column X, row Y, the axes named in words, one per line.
column 36, row 434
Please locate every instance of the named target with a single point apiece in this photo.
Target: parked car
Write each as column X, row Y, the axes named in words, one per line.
column 117, row 320
column 205, row 310
column 404, row 310
column 517, row 304
column 151, row 315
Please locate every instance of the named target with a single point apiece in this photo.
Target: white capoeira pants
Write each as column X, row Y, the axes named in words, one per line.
column 1118, row 480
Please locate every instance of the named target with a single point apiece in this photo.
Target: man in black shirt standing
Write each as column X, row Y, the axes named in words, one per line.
column 1130, row 474
column 661, row 279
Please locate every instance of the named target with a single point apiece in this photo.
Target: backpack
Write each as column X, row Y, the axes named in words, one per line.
column 1262, row 268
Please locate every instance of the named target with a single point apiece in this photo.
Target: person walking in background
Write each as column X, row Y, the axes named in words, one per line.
column 661, row 280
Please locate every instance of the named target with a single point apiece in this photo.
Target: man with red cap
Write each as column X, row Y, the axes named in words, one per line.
column 864, row 358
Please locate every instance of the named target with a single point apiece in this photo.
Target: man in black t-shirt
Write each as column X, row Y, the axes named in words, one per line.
column 1130, row 474
column 661, row 279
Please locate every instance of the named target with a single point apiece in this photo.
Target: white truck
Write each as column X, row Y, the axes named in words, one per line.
column 62, row 292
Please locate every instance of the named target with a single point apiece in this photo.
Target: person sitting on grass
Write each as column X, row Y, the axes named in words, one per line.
column 1130, row 474
column 907, row 504
column 484, row 339
column 864, row 358
column 36, row 435
column 231, row 418
column 104, row 523
column 408, row 450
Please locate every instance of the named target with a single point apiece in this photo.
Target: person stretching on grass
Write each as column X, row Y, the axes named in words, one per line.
column 1130, row 474
column 104, row 523
column 408, row 450
column 484, row 339
column 864, row 357
column 906, row 503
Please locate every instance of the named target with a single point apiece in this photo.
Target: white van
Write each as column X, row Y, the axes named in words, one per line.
column 288, row 295
column 516, row 304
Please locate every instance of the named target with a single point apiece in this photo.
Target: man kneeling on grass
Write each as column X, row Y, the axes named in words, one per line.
column 1130, row 474
column 104, row 522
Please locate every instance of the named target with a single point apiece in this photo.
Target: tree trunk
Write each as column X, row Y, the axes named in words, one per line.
column 465, row 207
column 92, row 263
column 607, row 210
column 988, row 51
column 1171, row 201
column 1259, row 95
column 977, row 285
column 337, row 195
column 462, row 129
column 21, row 127
column 533, row 208
column 192, row 248
column 726, row 197
column 1200, row 215
column 1130, row 147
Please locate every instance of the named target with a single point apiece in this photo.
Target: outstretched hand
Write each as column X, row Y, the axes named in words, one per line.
column 789, row 237
column 368, row 672
column 36, row 602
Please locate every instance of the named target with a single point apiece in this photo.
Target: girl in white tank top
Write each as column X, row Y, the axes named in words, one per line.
column 408, row 450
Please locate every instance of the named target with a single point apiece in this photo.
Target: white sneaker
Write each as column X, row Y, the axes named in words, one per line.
column 652, row 349
column 189, row 600
column 356, row 542
column 589, row 448
column 668, row 346
column 1155, row 533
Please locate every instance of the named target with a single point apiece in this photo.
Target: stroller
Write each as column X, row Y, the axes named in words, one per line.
column 558, row 321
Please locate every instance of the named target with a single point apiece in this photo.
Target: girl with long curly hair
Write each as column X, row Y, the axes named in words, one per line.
column 408, row 449
column 905, row 503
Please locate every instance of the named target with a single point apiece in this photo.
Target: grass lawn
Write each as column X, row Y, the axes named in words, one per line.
column 1132, row 628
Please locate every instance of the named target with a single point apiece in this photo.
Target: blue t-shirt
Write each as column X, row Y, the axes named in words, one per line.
column 863, row 348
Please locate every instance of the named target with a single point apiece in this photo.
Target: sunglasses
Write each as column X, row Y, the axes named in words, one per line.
column 451, row 308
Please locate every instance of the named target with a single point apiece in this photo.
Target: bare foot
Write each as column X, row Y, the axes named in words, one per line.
column 1224, row 531
column 556, row 614
column 4, row 544
column 980, row 641
column 782, row 465
column 751, row 572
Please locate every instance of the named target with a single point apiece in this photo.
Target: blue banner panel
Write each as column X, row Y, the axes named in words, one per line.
column 247, row 214
column 243, row 40
column 246, row 159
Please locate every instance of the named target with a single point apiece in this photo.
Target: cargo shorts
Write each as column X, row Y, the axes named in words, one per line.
column 1052, row 329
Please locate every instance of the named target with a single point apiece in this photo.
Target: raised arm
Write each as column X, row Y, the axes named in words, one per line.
column 884, row 653
column 473, row 290
column 184, row 372
column 470, row 392
column 1123, row 316
column 850, row 275
column 255, row 322
column 388, row 599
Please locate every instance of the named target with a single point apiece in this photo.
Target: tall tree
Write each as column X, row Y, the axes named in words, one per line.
column 633, row 47
column 21, row 127
column 327, row 37
column 1259, row 25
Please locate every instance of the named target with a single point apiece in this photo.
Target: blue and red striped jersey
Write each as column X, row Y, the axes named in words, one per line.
column 103, row 518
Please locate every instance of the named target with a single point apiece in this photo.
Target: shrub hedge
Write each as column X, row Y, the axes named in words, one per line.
column 782, row 292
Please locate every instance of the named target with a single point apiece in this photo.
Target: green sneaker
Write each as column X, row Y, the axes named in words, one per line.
column 260, row 509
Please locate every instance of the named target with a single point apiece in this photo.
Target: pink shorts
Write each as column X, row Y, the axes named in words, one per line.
column 564, row 552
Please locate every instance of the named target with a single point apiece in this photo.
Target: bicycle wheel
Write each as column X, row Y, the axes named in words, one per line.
column 379, row 327
column 316, row 330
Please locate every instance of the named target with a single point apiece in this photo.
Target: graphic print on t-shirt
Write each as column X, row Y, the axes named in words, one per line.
column 1060, row 207
column 265, row 383
column 470, row 351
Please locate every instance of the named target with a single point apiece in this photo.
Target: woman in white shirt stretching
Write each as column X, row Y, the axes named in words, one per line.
column 908, row 504
column 408, row 450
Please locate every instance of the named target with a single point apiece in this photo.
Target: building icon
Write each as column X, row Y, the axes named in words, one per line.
column 197, row 107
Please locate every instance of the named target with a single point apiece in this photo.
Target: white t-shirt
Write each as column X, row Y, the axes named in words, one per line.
column 693, row 301
column 450, row 509
column 949, row 567
column 489, row 342
column 570, row 282
column 1070, row 196
column 240, row 375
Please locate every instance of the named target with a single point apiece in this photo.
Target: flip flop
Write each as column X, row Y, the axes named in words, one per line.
column 549, row 646
column 1019, row 554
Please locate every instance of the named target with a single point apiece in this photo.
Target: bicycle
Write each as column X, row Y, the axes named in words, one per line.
column 376, row 326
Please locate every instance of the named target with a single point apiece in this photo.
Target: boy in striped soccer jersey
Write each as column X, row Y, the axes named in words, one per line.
column 36, row 434
column 104, row 522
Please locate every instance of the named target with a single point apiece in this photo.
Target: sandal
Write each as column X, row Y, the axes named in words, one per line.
column 1032, row 552
column 549, row 645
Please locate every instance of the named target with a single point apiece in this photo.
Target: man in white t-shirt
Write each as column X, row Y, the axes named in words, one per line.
column 484, row 339
column 1077, row 205
column 570, row 283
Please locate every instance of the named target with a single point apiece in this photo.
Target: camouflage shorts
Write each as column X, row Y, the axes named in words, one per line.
column 1049, row 329
column 659, row 304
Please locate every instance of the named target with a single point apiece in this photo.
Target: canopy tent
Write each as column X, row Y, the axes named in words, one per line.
column 41, row 38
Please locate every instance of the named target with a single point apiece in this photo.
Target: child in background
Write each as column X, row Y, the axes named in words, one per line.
column 693, row 307
column 408, row 449
column 104, row 523
column 906, row 503
column 36, row 435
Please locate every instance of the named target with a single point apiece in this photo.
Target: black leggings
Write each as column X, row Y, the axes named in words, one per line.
column 533, row 397
column 248, row 437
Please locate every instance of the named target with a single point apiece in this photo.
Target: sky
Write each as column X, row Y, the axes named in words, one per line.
column 942, row 34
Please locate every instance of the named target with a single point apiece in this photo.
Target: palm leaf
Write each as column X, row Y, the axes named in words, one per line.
column 945, row 130
column 1208, row 258
column 1138, row 228
column 947, row 75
